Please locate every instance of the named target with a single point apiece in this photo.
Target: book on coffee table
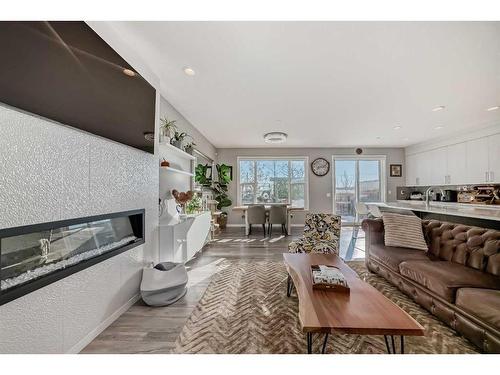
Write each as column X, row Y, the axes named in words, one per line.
column 328, row 278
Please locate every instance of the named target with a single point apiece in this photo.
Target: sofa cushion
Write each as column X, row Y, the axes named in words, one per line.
column 403, row 231
column 483, row 303
column 444, row 278
column 393, row 256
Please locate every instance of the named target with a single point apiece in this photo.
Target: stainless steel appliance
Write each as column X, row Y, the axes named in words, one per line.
column 449, row 196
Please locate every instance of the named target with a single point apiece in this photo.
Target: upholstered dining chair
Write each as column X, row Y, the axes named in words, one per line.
column 277, row 215
column 321, row 235
column 256, row 214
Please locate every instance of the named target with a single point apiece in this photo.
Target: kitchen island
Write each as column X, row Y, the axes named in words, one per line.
column 476, row 215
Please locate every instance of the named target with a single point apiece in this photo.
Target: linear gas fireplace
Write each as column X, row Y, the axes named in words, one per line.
column 34, row 256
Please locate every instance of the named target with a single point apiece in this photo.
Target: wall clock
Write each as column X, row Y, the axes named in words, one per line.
column 320, row 167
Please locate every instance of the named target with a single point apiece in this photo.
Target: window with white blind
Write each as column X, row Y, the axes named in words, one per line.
column 273, row 181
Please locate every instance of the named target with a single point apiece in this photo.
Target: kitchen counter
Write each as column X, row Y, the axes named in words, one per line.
column 445, row 208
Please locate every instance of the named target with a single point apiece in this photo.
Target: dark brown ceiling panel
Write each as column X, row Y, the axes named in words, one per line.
column 64, row 71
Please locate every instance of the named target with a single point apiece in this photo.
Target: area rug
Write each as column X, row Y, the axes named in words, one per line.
column 245, row 310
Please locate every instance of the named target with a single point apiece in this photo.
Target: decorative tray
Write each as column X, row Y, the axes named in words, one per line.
column 328, row 278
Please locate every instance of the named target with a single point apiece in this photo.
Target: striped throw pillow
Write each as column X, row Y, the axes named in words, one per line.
column 403, row 231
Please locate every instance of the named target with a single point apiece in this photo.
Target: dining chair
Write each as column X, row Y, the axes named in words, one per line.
column 362, row 212
column 256, row 214
column 278, row 215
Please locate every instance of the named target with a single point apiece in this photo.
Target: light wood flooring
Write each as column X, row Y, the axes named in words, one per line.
column 144, row 329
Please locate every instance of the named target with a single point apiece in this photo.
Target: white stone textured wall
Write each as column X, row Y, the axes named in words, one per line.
column 52, row 172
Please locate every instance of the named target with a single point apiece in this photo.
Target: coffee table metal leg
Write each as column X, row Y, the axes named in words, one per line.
column 387, row 345
column 323, row 350
column 309, row 342
column 391, row 346
column 289, row 286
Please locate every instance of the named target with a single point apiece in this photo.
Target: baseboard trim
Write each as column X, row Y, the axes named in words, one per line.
column 79, row 346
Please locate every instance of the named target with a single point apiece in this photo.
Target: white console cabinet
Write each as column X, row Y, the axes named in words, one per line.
column 181, row 239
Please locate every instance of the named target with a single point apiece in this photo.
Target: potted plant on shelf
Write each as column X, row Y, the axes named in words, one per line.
column 189, row 147
column 194, row 205
column 177, row 139
column 167, row 129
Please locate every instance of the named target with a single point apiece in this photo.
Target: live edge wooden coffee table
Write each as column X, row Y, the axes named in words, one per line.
column 365, row 311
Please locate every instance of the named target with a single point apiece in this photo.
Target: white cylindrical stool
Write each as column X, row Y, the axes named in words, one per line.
column 164, row 283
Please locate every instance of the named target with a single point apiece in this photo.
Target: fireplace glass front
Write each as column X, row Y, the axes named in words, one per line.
column 27, row 256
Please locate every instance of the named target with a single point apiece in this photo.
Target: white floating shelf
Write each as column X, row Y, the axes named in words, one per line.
column 168, row 147
column 177, row 171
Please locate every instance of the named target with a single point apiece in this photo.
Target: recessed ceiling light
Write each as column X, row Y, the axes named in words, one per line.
column 378, row 137
column 439, row 127
column 275, row 137
column 129, row 72
column 189, row 71
column 439, row 108
column 493, row 108
column 397, row 127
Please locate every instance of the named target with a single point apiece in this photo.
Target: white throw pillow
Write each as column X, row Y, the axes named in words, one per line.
column 403, row 231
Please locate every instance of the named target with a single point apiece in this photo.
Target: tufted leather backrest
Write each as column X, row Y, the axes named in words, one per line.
column 474, row 247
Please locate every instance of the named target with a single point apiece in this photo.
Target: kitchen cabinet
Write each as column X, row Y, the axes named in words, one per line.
column 456, row 160
column 471, row 162
column 411, row 171
column 424, row 166
column 477, row 161
column 437, row 164
column 494, row 158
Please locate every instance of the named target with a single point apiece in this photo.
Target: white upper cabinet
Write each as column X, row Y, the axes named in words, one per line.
column 456, row 159
column 470, row 162
column 477, row 161
column 411, row 170
column 423, row 167
column 437, row 166
column 494, row 157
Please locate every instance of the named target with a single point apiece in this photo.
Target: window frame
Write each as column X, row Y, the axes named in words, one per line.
column 305, row 159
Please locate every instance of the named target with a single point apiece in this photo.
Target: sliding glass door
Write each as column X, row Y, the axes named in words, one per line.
column 356, row 179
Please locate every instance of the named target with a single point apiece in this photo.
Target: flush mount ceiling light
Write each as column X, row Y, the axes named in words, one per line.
column 439, row 127
column 493, row 108
column 397, row 127
column 275, row 137
column 189, row 72
column 439, row 108
column 378, row 137
column 129, row 72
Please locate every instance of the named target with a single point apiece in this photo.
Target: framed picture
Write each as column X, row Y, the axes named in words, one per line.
column 396, row 170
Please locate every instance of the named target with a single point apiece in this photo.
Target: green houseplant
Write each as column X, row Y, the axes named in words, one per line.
column 189, row 147
column 194, row 205
column 201, row 175
column 178, row 138
column 220, row 187
column 168, row 129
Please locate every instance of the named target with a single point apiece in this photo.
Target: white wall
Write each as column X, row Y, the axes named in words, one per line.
column 202, row 143
column 51, row 172
column 318, row 186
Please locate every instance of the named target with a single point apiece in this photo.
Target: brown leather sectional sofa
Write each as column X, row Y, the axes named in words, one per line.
column 457, row 280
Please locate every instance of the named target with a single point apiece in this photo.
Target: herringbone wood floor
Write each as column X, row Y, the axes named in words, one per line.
column 246, row 310
column 144, row 329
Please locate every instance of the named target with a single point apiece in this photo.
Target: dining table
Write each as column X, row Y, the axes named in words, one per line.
column 290, row 211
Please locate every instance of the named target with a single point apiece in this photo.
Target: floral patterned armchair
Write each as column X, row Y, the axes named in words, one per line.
column 321, row 235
